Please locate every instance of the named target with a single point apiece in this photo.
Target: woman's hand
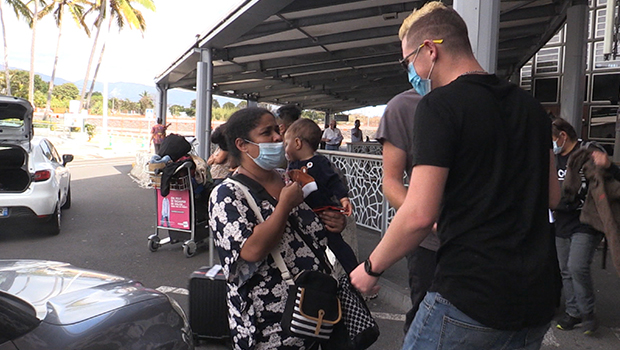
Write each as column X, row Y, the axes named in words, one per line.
column 291, row 195
column 333, row 220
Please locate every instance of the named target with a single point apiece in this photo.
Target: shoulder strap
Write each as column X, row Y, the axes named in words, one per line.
column 275, row 254
column 262, row 193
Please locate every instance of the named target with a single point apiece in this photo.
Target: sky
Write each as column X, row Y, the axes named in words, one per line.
column 130, row 56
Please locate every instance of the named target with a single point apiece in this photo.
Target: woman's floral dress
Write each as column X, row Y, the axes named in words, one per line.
column 256, row 293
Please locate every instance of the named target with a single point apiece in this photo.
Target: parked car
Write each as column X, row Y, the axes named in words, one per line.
column 34, row 180
column 56, row 306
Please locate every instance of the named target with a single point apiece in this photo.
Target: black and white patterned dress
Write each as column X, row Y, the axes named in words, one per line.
column 256, row 291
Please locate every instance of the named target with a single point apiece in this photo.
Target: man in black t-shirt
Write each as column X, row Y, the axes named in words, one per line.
column 483, row 169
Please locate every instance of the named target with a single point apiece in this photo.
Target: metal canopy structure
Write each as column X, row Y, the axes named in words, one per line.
column 336, row 55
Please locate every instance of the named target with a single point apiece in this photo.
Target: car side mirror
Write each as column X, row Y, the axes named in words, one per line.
column 66, row 158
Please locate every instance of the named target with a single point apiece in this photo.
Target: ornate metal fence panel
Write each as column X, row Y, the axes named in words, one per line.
column 365, row 148
column 364, row 174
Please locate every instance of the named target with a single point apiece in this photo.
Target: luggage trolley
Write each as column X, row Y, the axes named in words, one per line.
column 177, row 213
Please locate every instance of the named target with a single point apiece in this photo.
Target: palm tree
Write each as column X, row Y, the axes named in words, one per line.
column 33, row 25
column 121, row 11
column 20, row 10
column 77, row 12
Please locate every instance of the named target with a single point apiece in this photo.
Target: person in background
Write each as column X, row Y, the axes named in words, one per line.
column 332, row 136
column 496, row 284
column 395, row 133
column 575, row 242
column 356, row 133
column 158, row 134
column 219, row 162
column 287, row 115
column 256, row 292
column 301, row 142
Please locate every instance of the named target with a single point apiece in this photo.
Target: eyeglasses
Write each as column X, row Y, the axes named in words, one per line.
column 404, row 62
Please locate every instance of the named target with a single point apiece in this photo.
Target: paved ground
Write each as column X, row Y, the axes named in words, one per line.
column 394, row 282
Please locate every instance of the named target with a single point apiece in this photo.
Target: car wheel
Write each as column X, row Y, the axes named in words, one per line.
column 67, row 204
column 53, row 225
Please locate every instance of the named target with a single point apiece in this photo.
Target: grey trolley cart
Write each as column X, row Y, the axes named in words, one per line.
column 178, row 217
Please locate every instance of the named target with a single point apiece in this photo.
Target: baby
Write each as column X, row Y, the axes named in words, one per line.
column 301, row 142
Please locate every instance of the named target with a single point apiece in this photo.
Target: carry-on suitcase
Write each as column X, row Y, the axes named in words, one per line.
column 208, row 312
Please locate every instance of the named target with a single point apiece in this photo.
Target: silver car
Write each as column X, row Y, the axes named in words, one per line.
column 53, row 305
column 34, row 180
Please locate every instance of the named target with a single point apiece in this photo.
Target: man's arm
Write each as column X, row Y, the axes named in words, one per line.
column 554, row 184
column 412, row 223
column 394, row 162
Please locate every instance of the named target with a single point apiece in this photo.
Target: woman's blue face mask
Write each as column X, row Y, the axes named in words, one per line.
column 270, row 156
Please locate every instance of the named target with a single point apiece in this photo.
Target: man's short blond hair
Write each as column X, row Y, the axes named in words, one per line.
column 415, row 15
column 436, row 21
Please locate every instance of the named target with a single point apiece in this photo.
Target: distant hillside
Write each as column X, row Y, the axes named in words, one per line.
column 132, row 91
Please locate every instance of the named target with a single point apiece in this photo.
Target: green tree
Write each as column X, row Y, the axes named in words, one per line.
column 121, row 12
column 215, row 104
column 20, row 10
column 58, row 8
column 146, row 102
column 176, row 109
column 228, row 105
column 20, row 83
column 66, row 91
column 242, row 104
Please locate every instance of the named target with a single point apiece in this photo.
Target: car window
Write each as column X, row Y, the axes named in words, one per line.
column 46, row 150
column 55, row 155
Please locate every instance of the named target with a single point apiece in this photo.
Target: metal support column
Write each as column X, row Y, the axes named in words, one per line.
column 482, row 19
column 573, row 83
column 252, row 103
column 204, row 100
column 161, row 104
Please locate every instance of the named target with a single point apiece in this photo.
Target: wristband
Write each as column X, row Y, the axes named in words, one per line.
column 368, row 269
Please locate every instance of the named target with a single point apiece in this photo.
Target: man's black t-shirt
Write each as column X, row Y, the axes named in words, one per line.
column 497, row 261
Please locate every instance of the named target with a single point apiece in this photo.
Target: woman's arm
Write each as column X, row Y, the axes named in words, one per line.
column 266, row 235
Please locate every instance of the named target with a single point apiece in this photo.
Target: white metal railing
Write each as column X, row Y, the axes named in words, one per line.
column 364, row 175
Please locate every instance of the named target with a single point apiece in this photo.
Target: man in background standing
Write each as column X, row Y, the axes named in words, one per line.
column 356, row 133
column 158, row 134
column 395, row 133
column 287, row 115
column 332, row 136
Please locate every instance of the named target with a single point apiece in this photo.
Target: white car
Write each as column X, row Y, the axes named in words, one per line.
column 34, row 182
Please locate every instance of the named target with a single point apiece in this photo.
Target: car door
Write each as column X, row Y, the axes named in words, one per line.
column 60, row 172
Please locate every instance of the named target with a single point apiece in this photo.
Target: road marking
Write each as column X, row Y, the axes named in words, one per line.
column 174, row 290
column 550, row 339
column 378, row 315
column 387, row 316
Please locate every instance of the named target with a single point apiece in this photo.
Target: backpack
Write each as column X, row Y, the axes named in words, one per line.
column 175, row 146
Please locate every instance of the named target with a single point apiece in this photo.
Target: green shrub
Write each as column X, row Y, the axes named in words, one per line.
column 90, row 130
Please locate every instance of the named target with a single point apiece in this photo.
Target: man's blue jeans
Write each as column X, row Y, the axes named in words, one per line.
column 331, row 147
column 440, row 325
column 575, row 256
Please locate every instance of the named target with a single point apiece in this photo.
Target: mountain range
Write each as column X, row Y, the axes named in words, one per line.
column 132, row 91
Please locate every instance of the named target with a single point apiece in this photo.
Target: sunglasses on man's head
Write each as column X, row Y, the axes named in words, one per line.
column 404, row 62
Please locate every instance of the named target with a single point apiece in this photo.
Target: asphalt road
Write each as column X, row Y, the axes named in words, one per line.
column 106, row 229
column 111, row 217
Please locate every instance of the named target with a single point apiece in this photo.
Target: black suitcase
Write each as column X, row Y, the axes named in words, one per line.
column 208, row 312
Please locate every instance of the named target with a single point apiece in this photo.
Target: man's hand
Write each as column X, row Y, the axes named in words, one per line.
column 364, row 282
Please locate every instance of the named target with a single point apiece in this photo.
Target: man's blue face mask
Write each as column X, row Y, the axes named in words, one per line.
column 421, row 86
